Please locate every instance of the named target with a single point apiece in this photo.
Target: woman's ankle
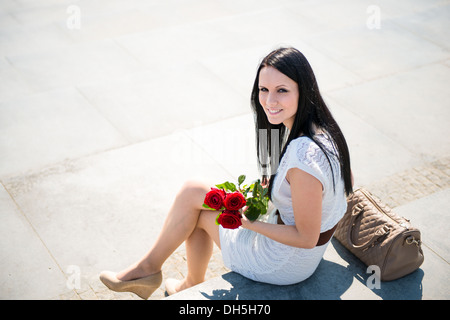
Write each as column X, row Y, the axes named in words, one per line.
column 186, row 283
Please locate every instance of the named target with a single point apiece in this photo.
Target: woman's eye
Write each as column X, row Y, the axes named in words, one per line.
column 281, row 90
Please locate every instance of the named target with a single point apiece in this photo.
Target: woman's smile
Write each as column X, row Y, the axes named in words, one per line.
column 274, row 111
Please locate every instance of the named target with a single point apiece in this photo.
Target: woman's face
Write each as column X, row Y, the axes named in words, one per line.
column 278, row 95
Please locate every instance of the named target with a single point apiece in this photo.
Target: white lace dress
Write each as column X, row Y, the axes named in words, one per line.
column 262, row 259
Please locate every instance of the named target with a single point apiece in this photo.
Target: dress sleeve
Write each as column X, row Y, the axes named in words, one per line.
column 307, row 156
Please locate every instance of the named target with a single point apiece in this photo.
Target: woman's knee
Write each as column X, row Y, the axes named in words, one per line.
column 195, row 187
column 193, row 190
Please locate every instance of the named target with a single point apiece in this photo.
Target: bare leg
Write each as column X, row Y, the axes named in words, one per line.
column 180, row 225
column 199, row 248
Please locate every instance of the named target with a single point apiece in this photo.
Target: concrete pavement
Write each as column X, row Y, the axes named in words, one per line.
column 107, row 107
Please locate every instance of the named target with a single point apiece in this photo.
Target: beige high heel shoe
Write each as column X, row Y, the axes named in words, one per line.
column 143, row 287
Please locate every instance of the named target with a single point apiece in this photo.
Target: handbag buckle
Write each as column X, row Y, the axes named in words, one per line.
column 384, row 231
column 357, row 209
column 411, row 240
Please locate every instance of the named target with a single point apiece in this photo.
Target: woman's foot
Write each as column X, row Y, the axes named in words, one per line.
column 173, row 285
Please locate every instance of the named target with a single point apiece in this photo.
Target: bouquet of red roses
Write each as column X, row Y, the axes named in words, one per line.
column 230, row 199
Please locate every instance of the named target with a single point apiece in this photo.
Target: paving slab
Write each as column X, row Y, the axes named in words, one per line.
column 417, row 23
column 393, row 49
column 29, row 271
column 17, row 39
column 369, row 146
column 431, row 215
column 59, row 67
column 231, row 143
column 150, row 104
column 402, row 107
column 43, row 129
column 12, row 83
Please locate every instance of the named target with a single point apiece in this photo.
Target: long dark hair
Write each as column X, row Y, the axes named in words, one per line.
column 312, row 114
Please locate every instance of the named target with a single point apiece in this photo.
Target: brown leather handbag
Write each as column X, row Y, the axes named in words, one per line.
column 377, row 236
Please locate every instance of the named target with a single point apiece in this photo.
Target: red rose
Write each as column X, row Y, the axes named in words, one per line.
column 214, row 198
column 234, row 201
column 230, row 219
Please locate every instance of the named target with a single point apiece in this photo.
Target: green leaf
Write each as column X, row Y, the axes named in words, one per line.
column 252, row 213
column 207, row 207
column 231, row 186
column 263, row 208
column 228, row 186
column 260, row 190
column 252, row 202
column 221, row 186
column 241, row 179
column 217, row 219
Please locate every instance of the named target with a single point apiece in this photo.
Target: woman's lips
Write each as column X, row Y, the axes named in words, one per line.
column 274, row 111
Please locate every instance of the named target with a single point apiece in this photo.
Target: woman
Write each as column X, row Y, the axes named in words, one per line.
column 308, row 188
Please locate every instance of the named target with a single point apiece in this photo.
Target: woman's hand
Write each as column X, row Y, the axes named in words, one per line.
column 246, row 223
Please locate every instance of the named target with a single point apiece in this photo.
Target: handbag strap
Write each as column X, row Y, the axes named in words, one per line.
column 382, row 231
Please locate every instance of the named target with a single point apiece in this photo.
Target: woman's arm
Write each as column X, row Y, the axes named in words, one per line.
column 306, row 193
